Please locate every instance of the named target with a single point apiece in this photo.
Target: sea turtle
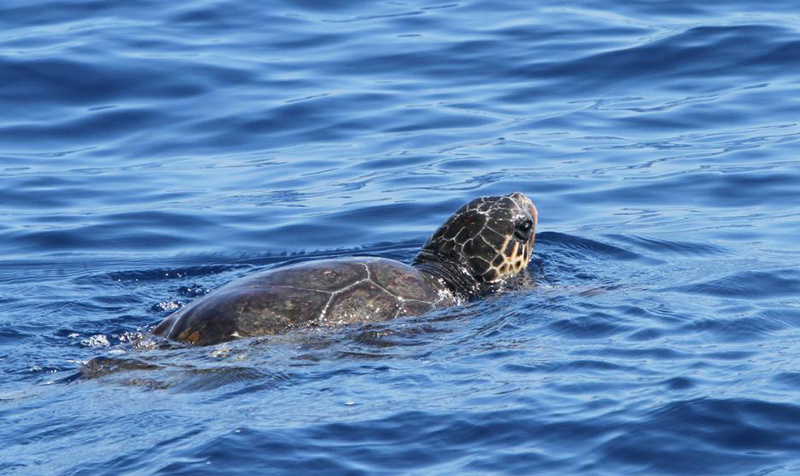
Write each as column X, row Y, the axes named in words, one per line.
column 477, row 249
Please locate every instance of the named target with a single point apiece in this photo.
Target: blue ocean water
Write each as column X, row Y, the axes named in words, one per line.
column 152, row 151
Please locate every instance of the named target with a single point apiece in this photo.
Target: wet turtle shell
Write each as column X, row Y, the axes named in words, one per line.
column 477, row 249
column 316, row 293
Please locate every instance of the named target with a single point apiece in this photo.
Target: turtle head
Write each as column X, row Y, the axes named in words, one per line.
column 489, row 240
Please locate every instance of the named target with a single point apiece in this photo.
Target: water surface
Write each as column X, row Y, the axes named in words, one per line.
column 152, row 151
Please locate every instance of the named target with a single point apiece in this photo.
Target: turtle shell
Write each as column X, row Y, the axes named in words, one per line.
column 317, row 293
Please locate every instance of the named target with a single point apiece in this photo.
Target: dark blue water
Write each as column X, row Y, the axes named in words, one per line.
column 151, row 151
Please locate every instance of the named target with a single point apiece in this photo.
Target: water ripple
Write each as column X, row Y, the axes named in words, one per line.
column 151, row 152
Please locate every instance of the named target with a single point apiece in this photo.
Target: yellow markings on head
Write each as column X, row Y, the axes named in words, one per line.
column 514, row 262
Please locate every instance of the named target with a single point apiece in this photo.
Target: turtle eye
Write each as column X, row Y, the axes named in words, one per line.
column 523, row 229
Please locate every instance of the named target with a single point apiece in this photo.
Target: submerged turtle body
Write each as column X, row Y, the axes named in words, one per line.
column 317, row 293
column 475, row 251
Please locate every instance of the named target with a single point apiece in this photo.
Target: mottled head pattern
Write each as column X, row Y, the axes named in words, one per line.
column 490, row 237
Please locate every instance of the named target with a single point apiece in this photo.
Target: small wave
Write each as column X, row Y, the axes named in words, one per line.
column 779, row 283
column 663, row 246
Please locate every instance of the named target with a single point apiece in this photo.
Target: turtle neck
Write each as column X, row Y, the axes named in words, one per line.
column 447, row 272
